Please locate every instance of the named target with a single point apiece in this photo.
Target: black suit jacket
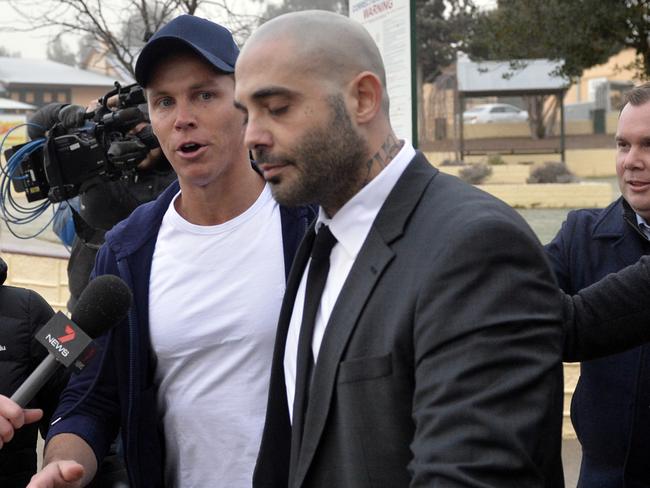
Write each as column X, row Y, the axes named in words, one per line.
column 440, row 364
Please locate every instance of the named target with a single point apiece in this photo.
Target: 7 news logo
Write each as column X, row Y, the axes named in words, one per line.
column 57, row 342
column 69, row 335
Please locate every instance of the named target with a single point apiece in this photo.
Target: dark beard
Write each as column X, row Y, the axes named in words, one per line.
column 329, row 162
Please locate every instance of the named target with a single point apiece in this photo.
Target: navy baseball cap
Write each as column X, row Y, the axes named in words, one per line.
column 210, row 41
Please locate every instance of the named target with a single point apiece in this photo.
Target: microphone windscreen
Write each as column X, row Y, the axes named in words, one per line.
column 43, row 120
column 102, row 304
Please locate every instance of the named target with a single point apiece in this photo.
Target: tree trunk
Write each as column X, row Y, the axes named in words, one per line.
column 535, row 106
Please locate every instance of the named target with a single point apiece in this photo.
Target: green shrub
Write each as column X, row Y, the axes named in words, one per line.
column 551, row 172
column 495, row 159
column 475, row 174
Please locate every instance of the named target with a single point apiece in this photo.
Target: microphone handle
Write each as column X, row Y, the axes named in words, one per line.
column 35, row 381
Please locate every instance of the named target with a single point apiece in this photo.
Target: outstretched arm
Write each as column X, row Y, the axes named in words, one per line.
column 610, row 316
column 68, row 462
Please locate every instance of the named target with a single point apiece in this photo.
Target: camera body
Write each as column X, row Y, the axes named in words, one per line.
column 102, row 147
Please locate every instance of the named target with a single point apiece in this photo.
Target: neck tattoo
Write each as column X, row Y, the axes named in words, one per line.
column 386, row 153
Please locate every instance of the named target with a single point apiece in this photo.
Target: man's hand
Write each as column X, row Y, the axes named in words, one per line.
column 68, row 462
column 13, row 417
column 58, row 474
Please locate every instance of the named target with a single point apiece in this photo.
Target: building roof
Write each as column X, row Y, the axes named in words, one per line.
column 44, row 72
column 9, row 104
column 528, row 77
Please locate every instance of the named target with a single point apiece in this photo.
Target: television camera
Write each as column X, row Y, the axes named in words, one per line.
column 100, row 145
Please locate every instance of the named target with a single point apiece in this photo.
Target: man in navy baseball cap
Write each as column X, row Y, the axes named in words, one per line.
column 208, row 40
column 186, row 378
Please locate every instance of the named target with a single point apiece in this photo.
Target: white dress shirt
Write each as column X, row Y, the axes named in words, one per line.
column 643, row 226
column 350, row 226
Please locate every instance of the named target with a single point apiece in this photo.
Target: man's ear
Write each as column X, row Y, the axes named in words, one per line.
column 367, row 92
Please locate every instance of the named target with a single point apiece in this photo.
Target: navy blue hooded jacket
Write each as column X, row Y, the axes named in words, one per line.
column 118, row 391
column 609, row 409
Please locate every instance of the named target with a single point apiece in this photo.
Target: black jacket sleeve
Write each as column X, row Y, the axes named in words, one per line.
column 610, row 316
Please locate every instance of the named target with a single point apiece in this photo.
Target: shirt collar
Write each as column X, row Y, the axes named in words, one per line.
column 643, row 225
column 352, row 222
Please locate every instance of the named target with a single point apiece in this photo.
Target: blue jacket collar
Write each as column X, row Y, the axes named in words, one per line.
column 142, row 225
column 617, row 224
column 611, row 222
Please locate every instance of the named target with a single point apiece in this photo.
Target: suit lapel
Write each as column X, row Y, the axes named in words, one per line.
column 273, row 462
column 373, row 258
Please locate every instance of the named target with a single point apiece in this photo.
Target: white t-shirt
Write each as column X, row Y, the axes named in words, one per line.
column 214, row 301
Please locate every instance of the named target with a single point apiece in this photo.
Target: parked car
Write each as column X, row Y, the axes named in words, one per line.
column 494, row 112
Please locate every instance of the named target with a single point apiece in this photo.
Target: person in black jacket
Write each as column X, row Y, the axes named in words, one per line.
column 22, row 313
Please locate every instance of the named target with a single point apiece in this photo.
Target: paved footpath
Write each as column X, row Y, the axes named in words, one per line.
column 571, row 456
column 45, row 244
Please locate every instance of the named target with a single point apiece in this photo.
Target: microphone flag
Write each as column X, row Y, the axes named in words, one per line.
column 66, row 341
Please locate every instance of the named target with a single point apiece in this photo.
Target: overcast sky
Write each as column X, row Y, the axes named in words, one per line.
column 29, row 44
column 33, row 44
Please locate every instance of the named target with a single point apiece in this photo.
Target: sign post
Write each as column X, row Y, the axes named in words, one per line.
column 391, row 23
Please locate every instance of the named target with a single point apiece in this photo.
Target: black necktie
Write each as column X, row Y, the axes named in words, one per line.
column 316, row 278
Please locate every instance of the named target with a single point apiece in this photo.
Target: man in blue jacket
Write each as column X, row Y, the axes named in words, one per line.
column 185, row 378
column 610, row 408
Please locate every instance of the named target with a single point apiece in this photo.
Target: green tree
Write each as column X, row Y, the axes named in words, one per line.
column 582, row 33
column 442, row 27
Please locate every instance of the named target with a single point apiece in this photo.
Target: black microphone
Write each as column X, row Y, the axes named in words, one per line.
column 43, row 120
column 104, row 302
